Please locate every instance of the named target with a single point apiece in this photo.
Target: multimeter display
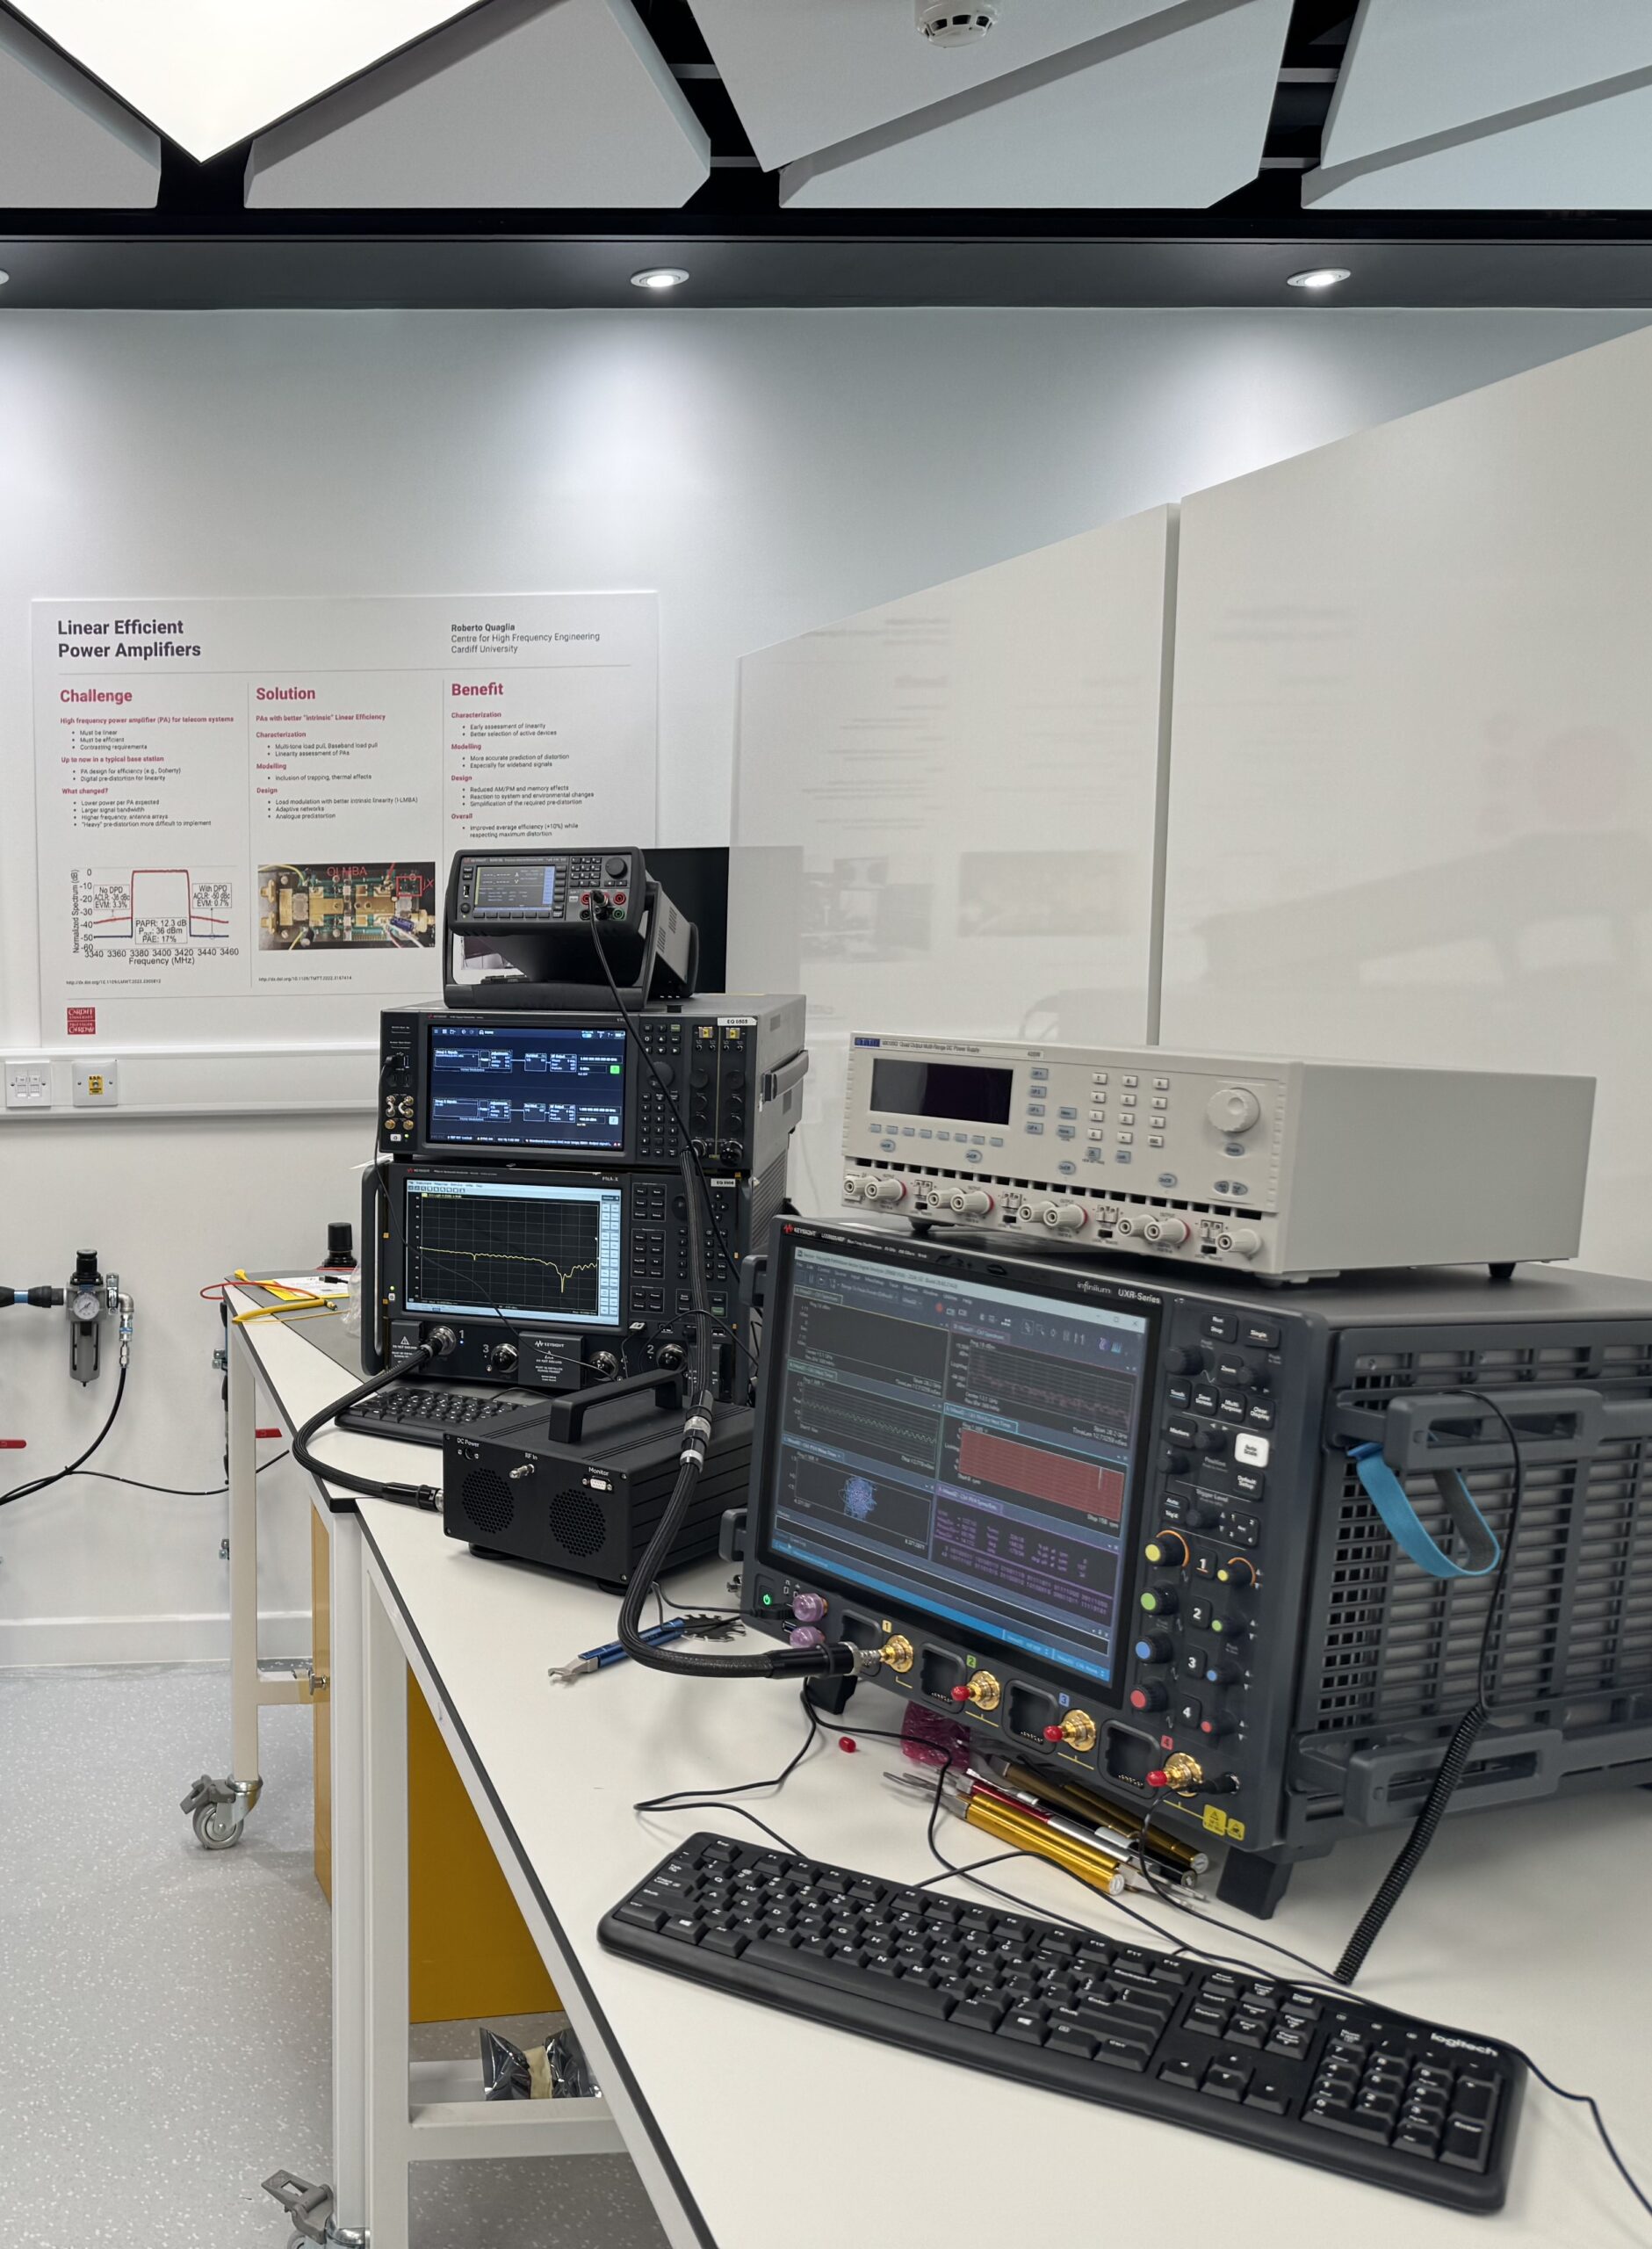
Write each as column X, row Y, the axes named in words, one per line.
column 515, row 885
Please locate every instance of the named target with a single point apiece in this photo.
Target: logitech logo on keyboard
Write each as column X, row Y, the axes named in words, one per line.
column 1463, row 2045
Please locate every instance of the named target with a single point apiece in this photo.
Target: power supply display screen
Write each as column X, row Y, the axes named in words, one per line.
column 962, row 1449
column 968, row 1091
column 528, row 1253
column 497, row 1086
column 515, row 885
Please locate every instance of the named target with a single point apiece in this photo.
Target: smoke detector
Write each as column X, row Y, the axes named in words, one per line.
column 949, row 25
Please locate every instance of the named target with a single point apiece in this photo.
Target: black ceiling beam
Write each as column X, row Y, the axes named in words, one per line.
column 210, row 260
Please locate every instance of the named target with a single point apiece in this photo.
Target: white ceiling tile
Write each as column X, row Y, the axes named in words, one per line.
column 65, row 144
column 805, row 73
column 1592, row 154
column 1417, row 68
column 210, row 72
column 1144, row 118
column 531, row 104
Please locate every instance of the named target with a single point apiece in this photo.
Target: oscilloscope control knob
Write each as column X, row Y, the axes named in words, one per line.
column 1167, row 1550
column 1155, row 1647
column 1233, row 1111
column 1160, row 1601
column 1237, row 1571
column 1150, row 1697
column 1065, row 1218
column 498, row 1358
column 1223, row 1672
column 1184, row 1358
column 1170, row 1232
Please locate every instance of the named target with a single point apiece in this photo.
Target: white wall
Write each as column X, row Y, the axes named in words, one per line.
column 766, row 472
column 1411, row 814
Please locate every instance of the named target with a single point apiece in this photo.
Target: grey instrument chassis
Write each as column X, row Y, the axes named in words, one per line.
column 1285, row 1168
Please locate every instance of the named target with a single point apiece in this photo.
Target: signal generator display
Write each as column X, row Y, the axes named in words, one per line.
column 540, row 1253
column 972, row 1447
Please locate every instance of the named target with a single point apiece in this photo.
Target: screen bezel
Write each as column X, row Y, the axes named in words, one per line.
column 505, row 1321
column 571, row 1151
column 1030, row 1275
column 506, row 1151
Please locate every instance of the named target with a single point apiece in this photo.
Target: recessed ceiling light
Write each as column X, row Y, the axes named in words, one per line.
column 1319, row 277
column 659, row 277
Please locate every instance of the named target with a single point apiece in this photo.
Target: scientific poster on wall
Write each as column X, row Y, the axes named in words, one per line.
column 245, row 810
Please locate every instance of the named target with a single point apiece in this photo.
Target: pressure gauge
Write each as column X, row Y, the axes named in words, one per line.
column 85, row 1303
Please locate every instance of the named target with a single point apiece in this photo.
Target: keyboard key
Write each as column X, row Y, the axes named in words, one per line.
column 1465, row 2144
column 1270, row 2094
column 1186, row 2073
column 1030, row 2027
column 1416, row 2139
column 977, row 2015
column 1070, row 2039
column 641, row 1917
column 684, row 1927
column 1475, row 2098
column 1224, row 2083
column 730, row 1942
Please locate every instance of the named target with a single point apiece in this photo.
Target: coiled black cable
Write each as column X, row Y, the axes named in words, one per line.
column 1455, row 1763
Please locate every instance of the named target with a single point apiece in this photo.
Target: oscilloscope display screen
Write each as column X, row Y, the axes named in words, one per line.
column 536, row 1251
column 965, row 1449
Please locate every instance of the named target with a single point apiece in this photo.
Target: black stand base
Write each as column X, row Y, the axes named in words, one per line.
column 831, row 1695
column 1501, row 1271
column 1252, row 1883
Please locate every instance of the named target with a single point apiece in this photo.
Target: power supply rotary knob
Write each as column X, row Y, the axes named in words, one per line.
column 969, row 1203
column 1167, row 1233
column 1233, row 1109
column 1065, row 1218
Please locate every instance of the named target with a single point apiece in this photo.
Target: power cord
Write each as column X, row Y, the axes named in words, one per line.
column 42, row 1483
column 1454, row 1762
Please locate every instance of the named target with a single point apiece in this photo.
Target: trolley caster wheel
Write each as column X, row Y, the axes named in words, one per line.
column 218, row 1827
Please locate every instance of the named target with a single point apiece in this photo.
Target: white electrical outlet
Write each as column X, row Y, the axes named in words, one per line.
column 96, row 1085
column 29, row 1084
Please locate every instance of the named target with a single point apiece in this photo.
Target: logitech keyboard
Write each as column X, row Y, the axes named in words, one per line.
column 425, row 1411
column 1287, row 2067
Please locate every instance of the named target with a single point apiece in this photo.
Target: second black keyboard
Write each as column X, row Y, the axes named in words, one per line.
column 1326, row 2080
column 426, row 1411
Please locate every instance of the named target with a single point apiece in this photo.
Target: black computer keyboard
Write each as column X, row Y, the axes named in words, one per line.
column 425, row 1411
column 1328, row 2080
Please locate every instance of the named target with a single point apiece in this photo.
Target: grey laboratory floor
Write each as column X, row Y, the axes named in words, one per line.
column 164, row 2010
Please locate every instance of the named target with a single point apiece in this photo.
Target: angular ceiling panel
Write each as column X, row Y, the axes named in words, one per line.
column 1414, row 68
column 210, row 72
column 1164, row 115
column 65, row 144
column 1486, row 105
column 805, row 73
column 528, row 104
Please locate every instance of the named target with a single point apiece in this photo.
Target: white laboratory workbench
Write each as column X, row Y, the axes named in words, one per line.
column 748, row 2126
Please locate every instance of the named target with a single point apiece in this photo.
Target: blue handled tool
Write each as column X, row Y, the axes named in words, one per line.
column 656, row 1635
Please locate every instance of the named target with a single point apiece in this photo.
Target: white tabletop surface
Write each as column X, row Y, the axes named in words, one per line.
column 1529, row 1924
